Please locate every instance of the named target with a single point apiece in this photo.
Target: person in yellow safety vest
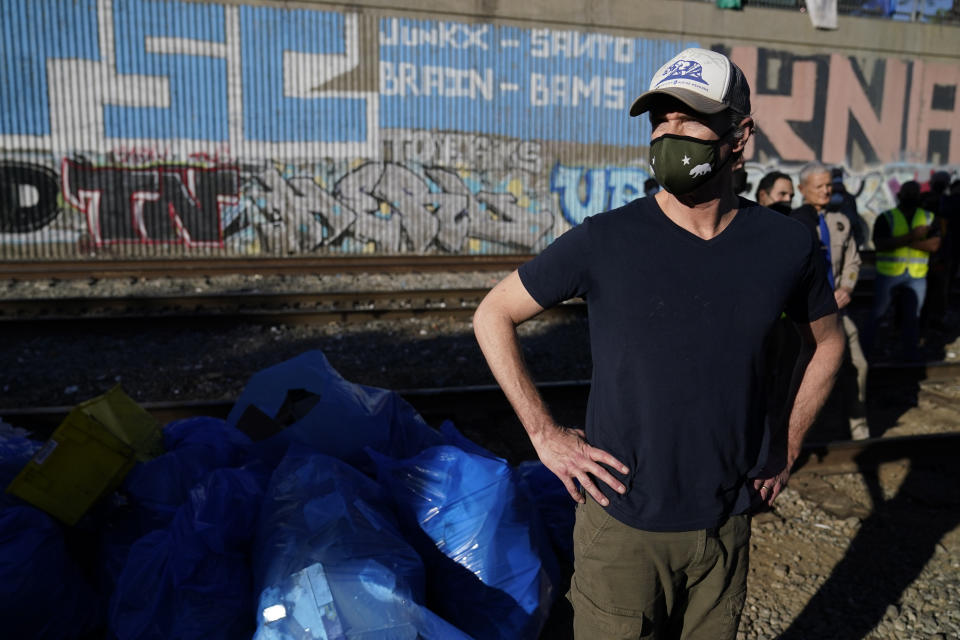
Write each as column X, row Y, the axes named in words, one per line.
column 904, row 238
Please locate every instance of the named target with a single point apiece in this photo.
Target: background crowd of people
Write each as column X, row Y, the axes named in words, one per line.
column 916, row 253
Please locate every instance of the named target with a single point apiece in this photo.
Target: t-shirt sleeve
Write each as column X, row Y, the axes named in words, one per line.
column 812, row 297
column 560, row 271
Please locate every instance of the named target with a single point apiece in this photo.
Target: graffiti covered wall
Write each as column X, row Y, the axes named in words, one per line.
column 149, row 127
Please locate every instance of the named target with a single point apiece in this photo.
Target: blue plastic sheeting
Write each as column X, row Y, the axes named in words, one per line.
column 43, row 594
column 489, row 570
column 330, row 561
column 557, row 509
column 346, row 418
column 543, row 489
column 194, row 448
column 192, row 580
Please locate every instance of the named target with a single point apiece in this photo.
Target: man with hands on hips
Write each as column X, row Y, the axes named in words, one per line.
column 682, row 289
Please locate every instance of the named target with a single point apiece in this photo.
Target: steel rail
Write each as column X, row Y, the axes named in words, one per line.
column 200, row 265
column 321, row 307
column 927, row 371
column 192, row 266
column 852, row 456
column 484, row 405
column 273, row 308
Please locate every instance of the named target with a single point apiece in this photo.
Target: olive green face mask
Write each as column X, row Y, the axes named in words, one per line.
column 681, row 164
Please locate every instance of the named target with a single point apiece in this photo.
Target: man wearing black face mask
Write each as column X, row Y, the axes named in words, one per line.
column 683, row 289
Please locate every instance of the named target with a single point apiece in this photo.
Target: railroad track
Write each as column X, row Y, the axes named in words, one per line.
column 190, row 266
column 258, row 307
column 928, row 371
column 481, row 411
column 313, row 308
column 266, row 308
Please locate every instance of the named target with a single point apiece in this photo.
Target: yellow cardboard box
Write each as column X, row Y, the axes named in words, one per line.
column 88, row 455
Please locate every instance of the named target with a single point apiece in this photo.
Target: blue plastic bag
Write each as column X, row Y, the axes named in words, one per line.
column 345, row 419
column 194, row 448
column 192, row 579
column 43, row 593
column 330, row 561
column 490, row 569
column 16, row 449
column 119, row 529
column 555, row 509
column 452, row 436
column 15, row 453
column 209, row 440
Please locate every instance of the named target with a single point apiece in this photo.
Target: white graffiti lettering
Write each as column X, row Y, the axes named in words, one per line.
column 443, row 35
column 407, row 79
column 546, row 43
column 458, row 150
column 573, row 91
column 387, row 207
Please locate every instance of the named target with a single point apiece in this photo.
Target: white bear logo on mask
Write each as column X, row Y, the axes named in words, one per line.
column 700, row 169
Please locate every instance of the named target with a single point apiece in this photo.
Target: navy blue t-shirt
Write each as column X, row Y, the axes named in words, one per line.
column 677, row 332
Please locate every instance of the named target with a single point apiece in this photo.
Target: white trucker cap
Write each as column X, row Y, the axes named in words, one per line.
column 704, row 80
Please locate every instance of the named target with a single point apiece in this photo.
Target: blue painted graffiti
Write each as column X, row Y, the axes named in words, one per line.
column 85, row 75
column 603, row 189
column 32, row 33
column 95, row 73
column 271, row 115
column 197, row 110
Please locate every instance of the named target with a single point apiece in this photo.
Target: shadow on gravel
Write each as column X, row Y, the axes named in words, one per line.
column 890, row 550
column 902, row 532
column 890, row 393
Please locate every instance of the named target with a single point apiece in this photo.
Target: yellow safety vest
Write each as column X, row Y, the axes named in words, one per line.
column 894, row 263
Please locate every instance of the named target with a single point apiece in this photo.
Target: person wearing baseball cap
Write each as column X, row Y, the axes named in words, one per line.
column 683, row 288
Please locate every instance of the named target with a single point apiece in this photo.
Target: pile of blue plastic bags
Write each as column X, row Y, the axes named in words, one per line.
column 345, row 516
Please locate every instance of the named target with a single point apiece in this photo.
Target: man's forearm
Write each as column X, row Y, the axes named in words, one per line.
column 563, row 450
column 497, row 336
column 930, row 245
column 889, row 244
column 816, row 382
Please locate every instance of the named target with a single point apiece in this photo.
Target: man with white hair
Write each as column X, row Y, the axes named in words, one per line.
column 835, row 233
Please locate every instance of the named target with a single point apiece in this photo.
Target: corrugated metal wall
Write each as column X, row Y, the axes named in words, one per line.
column 154, row 127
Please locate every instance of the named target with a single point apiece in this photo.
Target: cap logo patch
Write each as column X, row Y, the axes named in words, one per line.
column 684, row 70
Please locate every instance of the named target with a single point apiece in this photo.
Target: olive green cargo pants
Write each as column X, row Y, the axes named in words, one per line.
column 628, row 583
